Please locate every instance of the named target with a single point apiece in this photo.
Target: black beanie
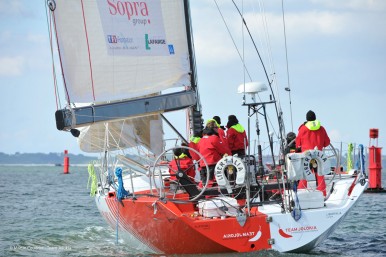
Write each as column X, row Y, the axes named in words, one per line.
column 217, row 119
column 310, row 116
column 232, row 120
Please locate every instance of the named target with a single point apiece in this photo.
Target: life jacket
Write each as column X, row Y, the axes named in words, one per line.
column 313, row 125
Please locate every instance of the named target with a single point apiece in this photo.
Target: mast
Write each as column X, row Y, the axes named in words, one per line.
column 195, row 112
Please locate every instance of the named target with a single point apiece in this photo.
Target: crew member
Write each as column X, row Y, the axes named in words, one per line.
column 181, row 161
column 215, row 123
column 312, row 135
column 212, row 149
column 194, row 144
column 237, row 138
column 291, row 143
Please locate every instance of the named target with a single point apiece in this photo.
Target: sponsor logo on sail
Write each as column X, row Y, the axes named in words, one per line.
column 135, row 11
column 153, row 41
column 125, row 23
column 171, row 49
column 113, row 39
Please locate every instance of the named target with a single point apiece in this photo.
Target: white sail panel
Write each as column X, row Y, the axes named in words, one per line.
column 134, row 28
column 143, row 131
column 112, row 50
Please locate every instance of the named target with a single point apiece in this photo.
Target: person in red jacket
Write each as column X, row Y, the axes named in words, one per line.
column 213, row 123
column 221, row 129
column 212, row 149
column 193, row 142
column 181, row 161
column 237, row 138
column 312, row 135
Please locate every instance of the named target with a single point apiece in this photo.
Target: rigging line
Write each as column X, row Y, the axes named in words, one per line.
column 277, row 109
column 268, row 48
column 238, row 51
column 234, row 43
column 286, row 58
column 258, row 53
column 123, row 140
column 111, row 130
column 88, row 49
column 60, row 60
column 243, row 39
column 268, row 52
column 254, row 44
column 173, row 128
column 270, row 56
column 49, row 26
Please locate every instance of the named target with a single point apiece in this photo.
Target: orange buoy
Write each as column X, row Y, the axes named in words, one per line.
column 66, row 163
column 375, row 167
column 375, row 164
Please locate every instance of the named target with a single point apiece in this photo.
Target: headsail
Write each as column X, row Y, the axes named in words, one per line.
column 143, row 131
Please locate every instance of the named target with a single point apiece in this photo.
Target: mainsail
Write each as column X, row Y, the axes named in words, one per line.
column 116, row 59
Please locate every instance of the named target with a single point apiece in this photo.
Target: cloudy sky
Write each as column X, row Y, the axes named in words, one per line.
column 336, row 62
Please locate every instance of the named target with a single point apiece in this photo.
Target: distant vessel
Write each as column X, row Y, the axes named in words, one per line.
column 124, row 64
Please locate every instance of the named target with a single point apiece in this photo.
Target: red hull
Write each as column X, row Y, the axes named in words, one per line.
column 173, row 228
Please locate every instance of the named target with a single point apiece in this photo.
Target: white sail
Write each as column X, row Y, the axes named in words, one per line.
column 143, row 131
column 113, row 50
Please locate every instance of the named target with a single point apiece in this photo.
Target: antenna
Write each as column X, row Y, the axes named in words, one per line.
column 252, row 88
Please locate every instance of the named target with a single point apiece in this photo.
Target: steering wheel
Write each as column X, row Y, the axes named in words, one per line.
column 159, row 162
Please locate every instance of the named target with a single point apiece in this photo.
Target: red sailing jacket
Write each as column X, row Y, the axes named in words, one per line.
column 212, row 149
column 236, row 136
column 194, row 144
column 184, row 164
column 310, row 135
column 223, row 137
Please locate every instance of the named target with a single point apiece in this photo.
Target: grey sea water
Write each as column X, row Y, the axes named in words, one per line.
column 46, row 213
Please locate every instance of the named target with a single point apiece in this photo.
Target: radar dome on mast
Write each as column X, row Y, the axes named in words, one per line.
column 252, row 88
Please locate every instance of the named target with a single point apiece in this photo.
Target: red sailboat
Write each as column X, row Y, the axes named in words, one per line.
column 125, row 65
